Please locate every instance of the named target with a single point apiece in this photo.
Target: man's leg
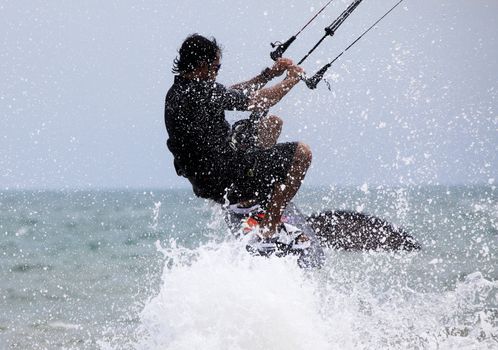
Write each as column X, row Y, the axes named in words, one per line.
column 268, row 131
column 283, row 193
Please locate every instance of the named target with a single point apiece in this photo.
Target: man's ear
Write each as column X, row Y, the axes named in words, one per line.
column 203, row 69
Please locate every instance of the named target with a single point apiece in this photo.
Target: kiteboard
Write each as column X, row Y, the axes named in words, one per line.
column 341, row 230
column 310, row 257
column 356, row 231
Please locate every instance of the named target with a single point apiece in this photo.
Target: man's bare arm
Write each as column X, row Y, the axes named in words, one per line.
column 265, row 76
column 268, row 97
column 253, row 84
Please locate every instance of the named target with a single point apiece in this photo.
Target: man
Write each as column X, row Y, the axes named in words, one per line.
column 203, row 143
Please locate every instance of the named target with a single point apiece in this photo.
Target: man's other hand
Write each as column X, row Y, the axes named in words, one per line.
column 280, row 66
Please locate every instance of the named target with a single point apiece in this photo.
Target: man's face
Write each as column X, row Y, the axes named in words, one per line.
column 214, row 67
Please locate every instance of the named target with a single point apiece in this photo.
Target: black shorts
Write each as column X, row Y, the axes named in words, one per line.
column 256, row 173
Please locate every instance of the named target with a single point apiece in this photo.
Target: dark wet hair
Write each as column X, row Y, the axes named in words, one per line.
column 194, row 51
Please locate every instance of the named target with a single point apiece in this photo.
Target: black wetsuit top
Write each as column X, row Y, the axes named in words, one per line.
column 199, row 135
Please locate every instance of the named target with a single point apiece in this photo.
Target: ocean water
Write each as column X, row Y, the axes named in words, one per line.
column 159, row 270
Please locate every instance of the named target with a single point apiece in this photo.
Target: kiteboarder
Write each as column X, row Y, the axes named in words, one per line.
column 204, row 145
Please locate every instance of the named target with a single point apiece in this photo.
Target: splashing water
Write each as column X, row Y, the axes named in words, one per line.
column 219, row 297
column 155, row 215
column 80, row 273
column 402, row 205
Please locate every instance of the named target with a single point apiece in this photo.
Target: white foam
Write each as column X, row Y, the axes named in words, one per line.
column 64, row 325
column 155, row 215
column 219, row 297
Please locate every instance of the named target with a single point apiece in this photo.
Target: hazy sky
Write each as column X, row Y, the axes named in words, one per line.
column 83, row 86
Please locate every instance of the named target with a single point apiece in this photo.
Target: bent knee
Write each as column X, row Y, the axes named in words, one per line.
column 303, row 152
column 275, row 121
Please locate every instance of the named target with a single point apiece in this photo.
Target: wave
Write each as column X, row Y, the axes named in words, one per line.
column 218, row 297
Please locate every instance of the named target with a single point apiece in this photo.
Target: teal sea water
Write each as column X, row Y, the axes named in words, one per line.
column 159, row 270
